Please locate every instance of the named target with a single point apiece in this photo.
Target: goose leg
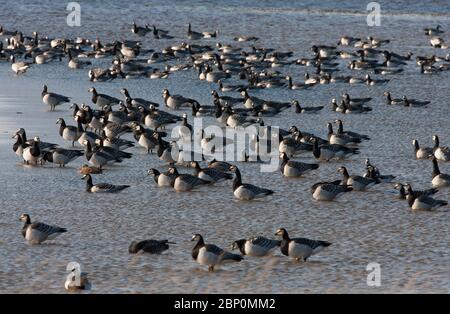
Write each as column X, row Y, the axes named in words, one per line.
column 210, row 268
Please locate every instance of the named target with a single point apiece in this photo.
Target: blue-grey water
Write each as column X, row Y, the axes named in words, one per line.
column 411, row 247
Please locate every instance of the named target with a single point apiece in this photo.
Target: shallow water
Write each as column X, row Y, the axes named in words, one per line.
column 411, row 247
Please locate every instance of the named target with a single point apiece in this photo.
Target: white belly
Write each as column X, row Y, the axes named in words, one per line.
column 207, row 258
column 243, row 194
column 182, row 186
column 322, row 195
column 299, row 250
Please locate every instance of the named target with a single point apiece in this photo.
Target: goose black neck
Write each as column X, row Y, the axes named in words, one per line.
column 436, row 170
column 237, row 182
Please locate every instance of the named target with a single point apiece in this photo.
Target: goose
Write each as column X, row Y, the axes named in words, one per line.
column 98, row 158
column 185, row 182
column 228, row 87
column 38, row 232
column 163, row 179
column 113, row 130
column 225, row 100
column 291, row 85
column 328, row 191
column 113, row 152
column 19, row 145
column 441, row 153
column 61, row 156
column 437, row 42
column 145, row 138
column 422, row 152
column 341, row 139
column 255, row 246
column 245, row 38
column 102, row 100
column 74, row 63
column 136, row 102
column 358, row 183
column 369, row 81
column 86, row 169
column 433, row 31
column 176, row 101
column 222, row 166
column 139, row 30
column 149, row 246
column 304, row 136
column 326, row 152
column 347, row 40
column 102, row 187
column 210, row 174
column 299, row 248
column 291, row 168
column 161, row 34
column 373, row 173
column 200, row 111
column 424, row 202
column 414, row 103
column 292, row 146
column 73, row 283
column 392, row 101
column 117, row 143
column 42, row 145
column 85, row 135
column 415, row 193
column 52, row 99
column 158, row 119
column 68, row 132
column 439, row 179
column 236, row 120
column 210, row 254
column 19, row 67
column 245, row 191
column 385, row 71
column 301, row 109
column 185, row 129
column 168, row 152
column 32, row 153
column 349, row 133
column 193, row 35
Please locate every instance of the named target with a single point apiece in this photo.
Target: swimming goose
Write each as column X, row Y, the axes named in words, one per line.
column 391, row 101
column 299, row 248
column 102, row 100
column 193, row 35
column 149, row 246
column 176, row 101
column 347, row 40
column 373, row 173
column 185, row 182
column 433, row 31
column 291, row 85
column 210, row 254
column 166, row 179
column 441, row 153
column 228, row 87
column 341, row 139
column 439, row 179
column 245, row 191
column 369, row 81
column 52, row 99
column 19, row 67
column 139, row 30
column 73, row 283
column 61, row 156
column 290, row 168
column 68, row 132
column 38, row 232
column 74, row 63
column 98, row 158
column 255, row 246
column 414, row 103
column 225, row 100
column 326, row 152
column 422, row 152
column 358, row 183
column 210, row 174
column 437, row 42
column 350, row 133
column 328, row 191
column 102, row 187
column 301, row 109
column 245, row 38
column 423, row 202
column 415, row 193
column 293, row 145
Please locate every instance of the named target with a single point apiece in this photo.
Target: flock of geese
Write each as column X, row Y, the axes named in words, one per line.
column 99, row 128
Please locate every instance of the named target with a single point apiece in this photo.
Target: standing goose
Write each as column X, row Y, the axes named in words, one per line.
column 38, row 232
column 422, row 152
column 210, row 174
column 145, row 138
column 210, row 254
column 98, row 158
column 102, row 100
column 61, row 156
column 291, row 168
column 255, row 246
column 149, row 246
column 441, row 153
column 185, row 182
column 358, row 183
column 246, row 191
column 328, row 191
column 19, row 145
column 52, row 99
column 68, row 132
column 166, row 179
column 32, row 153
column 42, row 145
column 176, row 101
column 299, row 248
column 102, row 187
column 439, row 179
